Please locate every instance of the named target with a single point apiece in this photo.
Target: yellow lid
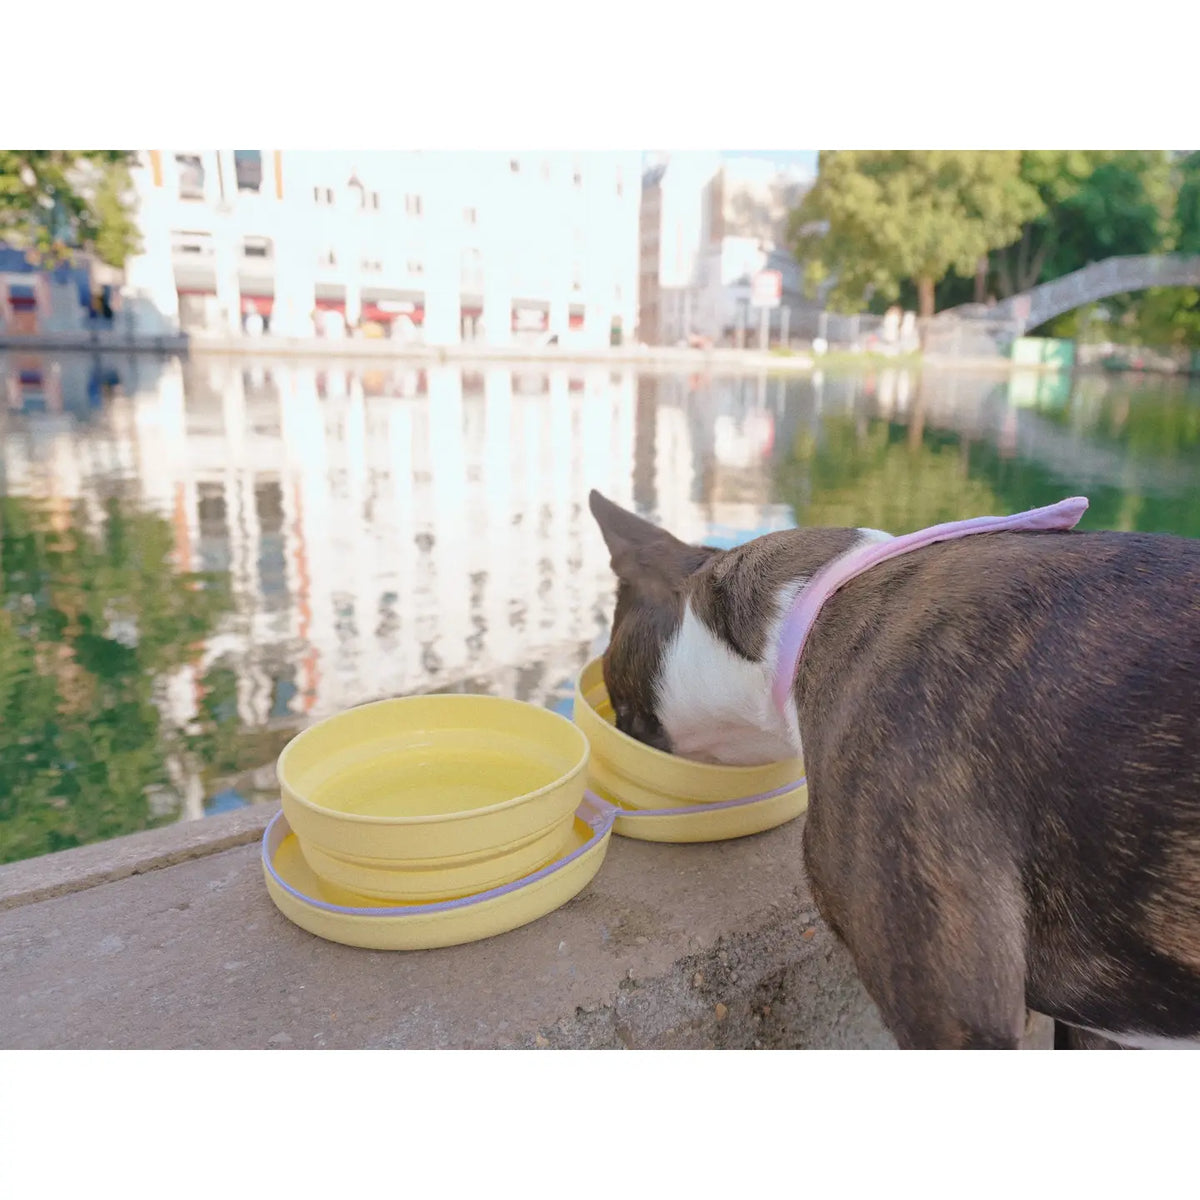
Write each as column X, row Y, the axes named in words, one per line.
column 337, row 916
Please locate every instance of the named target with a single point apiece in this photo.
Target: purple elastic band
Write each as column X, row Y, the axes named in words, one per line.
column 800, row 617
column 599, row 814
column 708, row 806
column 594, row 810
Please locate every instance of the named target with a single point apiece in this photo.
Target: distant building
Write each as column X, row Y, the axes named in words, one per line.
column 708, row 225
column 34, row 301
column 441, row 248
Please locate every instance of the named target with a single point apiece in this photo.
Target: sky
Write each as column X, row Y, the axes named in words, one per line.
column 805, row 160
column 790, row 158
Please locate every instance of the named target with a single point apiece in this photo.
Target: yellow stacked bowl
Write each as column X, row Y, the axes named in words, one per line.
column 665, row 798
column 431, row 798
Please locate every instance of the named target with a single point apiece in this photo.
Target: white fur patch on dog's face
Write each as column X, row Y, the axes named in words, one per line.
column 715, row 706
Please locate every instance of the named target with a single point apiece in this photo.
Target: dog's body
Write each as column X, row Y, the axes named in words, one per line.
column 1002, row 742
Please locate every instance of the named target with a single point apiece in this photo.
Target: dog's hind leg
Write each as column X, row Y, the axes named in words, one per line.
column 937, row 939
column 976, row 1004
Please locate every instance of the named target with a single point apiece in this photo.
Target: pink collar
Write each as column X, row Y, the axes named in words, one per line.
column 836, row 574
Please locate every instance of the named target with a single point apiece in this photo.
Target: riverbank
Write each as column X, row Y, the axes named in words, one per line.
column 641, row 358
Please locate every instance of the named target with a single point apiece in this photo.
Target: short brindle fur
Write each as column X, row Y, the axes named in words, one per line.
column 1002, row 741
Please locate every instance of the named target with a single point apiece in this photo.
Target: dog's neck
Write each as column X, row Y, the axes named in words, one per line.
column 806, row 603
column 714, row 687
column 726, row 690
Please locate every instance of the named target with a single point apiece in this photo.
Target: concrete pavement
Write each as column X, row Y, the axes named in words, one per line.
column 168, row 939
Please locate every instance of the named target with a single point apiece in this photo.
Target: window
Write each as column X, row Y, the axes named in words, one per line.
column 470, row 216
column 191, row 176
column 412, row 205
column 186, row 242
column 373, row 201
column 323, row 195
column 247, row 166
column 514, row 165
column 257, row 247
column 372, row 265
column 471, row 270
column 416, row 267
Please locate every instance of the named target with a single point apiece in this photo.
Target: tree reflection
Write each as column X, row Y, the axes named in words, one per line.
column 93, row 617
column 871, row 473
column 1134, row 452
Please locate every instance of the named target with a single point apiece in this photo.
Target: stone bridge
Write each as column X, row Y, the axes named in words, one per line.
column 1110, row 277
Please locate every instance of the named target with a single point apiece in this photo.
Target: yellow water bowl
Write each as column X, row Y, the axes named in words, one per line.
column 430, row 783
column 337, row 915
column 665, row 798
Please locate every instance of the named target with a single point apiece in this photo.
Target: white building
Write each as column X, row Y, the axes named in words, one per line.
column 435, row 247
column 708, row 225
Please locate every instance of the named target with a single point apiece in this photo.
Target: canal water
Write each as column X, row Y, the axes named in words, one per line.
column 198, row 558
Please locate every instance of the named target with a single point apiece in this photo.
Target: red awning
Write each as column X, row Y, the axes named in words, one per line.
column 373, row 312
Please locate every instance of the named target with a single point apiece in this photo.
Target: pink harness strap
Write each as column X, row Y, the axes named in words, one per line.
column 798, row 622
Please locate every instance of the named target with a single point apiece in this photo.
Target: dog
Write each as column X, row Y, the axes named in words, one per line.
column 1001, row 735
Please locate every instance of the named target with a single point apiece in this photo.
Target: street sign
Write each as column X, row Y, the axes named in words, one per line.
column 766, row 289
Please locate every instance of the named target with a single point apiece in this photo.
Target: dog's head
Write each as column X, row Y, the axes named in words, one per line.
column 691, row 657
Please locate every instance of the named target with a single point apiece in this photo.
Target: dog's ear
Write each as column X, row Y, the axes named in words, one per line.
column 644, row 556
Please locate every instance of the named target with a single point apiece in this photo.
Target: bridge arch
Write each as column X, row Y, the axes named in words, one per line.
column 1097, row 281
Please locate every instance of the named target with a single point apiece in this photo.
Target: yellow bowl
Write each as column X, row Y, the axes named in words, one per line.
column 382, row 881
column 671, row 799
column 432, row 781
column 338, row 916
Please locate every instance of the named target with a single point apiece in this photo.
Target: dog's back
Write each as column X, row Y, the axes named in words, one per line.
column 1001, row 735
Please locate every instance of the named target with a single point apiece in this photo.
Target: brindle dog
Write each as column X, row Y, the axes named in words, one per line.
column 1002, row 742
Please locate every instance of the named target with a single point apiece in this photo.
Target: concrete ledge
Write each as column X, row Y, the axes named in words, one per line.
column 670, row 946
column 91, row 340
column 648, row 358
column 644, row 357
column 35, row 879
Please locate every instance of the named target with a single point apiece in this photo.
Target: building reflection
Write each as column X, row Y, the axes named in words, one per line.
column 389, row 530
column 386, row 532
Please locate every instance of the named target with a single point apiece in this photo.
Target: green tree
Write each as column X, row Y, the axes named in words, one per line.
column 1057, row 176
column 1187, row 206
column 117, row 234
column 56, row 201
column 876, row 218
column 1135, row 202
column 1124, row 207
column 1096, row 204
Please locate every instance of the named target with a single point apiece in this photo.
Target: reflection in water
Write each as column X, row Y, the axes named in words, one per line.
column 197, row 559
column 94, row 619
